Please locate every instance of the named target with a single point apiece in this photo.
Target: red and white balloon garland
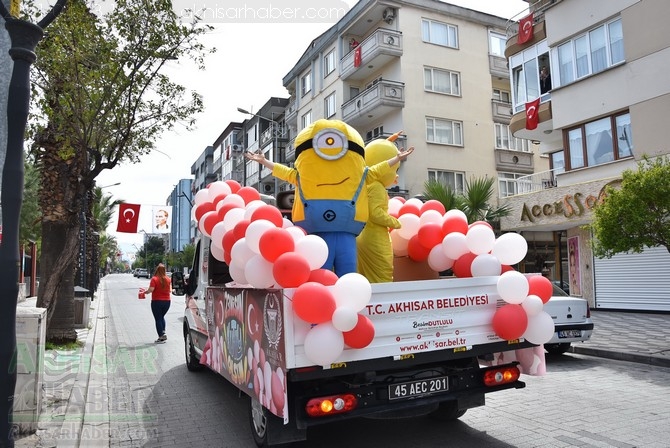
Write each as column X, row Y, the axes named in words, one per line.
column 445, row 240
column 265, row 250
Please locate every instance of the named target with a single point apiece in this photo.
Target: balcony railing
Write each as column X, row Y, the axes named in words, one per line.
column 291, row 111
column 377, row 100
column 501, row 110
column 537, row 182
column 376, row 50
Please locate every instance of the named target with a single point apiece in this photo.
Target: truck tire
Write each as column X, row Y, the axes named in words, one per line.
column 557, row 349
column 259, row 420
column 192, row 360
column 448, row 411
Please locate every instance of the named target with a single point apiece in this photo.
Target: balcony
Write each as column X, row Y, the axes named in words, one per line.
column 545, row 126
column 291, row 112
column 514, row 161
column 537, row 182
column 376, row 101
column 498, row 67
column 377, row 50
column 501, row 110
column 289, row 152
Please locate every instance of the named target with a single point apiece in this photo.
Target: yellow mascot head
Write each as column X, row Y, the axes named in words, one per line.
column 383, row 149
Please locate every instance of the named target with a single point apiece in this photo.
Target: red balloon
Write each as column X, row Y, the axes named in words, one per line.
column 240, row 228
column 430, row 234
column 234, row 185
column 362, row 334
column 268, row 212
column 274, row 242
column 409, row 208
column 291, row 270
column 540, row 286
column 227, row 258
column 454, row 224
column 225, row 208
column 505, row 267
column 433, row 204
column 249, row 194
column 400, row 198
column 462, row 266
column 211, row 219
column 510, row 321
column 313, row 302
column 228, row 241
column 202, row 209
column 417, row 251
column 219, row 198
column 323, row 276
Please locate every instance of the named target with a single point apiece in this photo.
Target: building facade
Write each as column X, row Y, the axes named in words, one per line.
column 183, row 231
column 606, row 108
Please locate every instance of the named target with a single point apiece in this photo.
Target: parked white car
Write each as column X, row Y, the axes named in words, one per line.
column 572, row 321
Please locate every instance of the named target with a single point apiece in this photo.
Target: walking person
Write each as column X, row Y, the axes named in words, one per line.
column 160, row 290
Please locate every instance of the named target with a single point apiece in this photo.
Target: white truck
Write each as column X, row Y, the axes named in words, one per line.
column 430, row 336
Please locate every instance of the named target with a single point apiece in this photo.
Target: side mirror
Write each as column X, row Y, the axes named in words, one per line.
column 178, row 284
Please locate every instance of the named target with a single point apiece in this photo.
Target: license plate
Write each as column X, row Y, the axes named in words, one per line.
column 419, row 388
column 569, row 334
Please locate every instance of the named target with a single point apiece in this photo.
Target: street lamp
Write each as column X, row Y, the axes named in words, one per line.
column 275, row 145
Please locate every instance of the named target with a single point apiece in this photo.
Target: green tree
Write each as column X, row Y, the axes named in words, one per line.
column 102, row 98
column 637, row 215
column 474, row 201
column 31, row 215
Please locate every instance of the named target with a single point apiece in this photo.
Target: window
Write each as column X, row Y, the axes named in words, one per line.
column 329, row 63
column 439, row 33
column 442, row 131
column 306, row 83
column 600, row 141
column 306, row 119
column 509, row 185
column 590, row 53
column 329, row 105
column 374, row 133
column 501, row 95
column 505, row 139
column 526, row 77
column 558, row 162
column 452, row 179
column 441, row 81
column 497, row 43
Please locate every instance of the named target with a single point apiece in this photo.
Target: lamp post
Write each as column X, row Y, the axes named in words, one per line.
column 275, row 146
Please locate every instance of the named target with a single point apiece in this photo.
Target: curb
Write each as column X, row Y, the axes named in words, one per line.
column 622, row 356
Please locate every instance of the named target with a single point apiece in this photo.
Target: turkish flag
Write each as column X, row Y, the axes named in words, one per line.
column 129, row 217
column 357, row 56
column 228, row 152
column 532, row 118
column 525, row 29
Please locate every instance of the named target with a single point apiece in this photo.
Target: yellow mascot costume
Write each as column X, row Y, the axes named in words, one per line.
column 375, row 252
column 331, row 179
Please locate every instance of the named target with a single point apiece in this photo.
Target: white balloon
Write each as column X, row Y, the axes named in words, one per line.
column 241, row 253
column 200, row 197
column 415, row 201
column 217, row 188
column 540, row 328
column 258, row 272
column 438, row 260
column 255, row 231
column 513, row 287
column 324, row 344
column 533, row 305
column 237, row 273
column 352, row 290
column 456, row 213
column 410, row 225
column 217, row 234
column 399, row 244
column 480, row 239
column 232, row 198
column 314, row 249
column 485, row 265
column 300, row 329
column 345, row 318
column 232, row 217
column 394, row 206
column 217, row 252
column 454, row 245
column 430, row 216
column 296, row 232
column 510, row 248
column 251, row 207
column 286, row 223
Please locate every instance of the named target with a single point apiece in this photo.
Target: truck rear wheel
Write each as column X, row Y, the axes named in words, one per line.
column 447, row 411
column 258, row 418
column 192, row 360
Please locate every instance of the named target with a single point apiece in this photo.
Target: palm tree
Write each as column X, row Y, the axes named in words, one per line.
column 474, row 201
column 100, row 247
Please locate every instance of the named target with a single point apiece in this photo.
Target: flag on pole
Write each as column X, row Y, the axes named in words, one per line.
column 129, row 217
column 525, row 29
column 532, row 118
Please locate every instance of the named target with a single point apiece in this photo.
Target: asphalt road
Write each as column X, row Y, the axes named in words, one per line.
column 155, row 401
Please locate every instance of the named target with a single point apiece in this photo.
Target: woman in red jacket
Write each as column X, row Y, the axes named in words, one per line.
column 160, row 290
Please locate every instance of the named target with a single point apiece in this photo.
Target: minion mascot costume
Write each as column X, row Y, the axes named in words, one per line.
column 375, row 251
column 331, row 180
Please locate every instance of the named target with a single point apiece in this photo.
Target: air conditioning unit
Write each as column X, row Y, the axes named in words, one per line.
column 388, row 15
column 237, row 148
column 268, row 189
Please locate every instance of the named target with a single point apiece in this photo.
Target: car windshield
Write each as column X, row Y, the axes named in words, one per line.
column 558, row 291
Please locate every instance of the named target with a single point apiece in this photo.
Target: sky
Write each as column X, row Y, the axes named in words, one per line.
column 247, row 69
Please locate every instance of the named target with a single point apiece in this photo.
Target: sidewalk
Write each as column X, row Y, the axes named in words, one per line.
column 627, row 336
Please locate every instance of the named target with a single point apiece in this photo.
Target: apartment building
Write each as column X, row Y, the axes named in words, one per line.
column 607, row 107
column 183, row 231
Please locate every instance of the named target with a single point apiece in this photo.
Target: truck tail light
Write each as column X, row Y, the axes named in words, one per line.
column 332, row 404
column 502, row 375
